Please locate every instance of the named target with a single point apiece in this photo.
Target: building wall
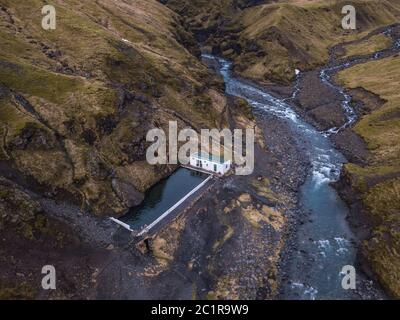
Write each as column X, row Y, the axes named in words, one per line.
column 209, row 166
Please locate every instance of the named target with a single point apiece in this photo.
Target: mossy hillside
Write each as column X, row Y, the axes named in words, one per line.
column 277, row 38
column 375, row 43
column 96, row 85
column 378, row 183
column 267, row 40
column 56, row 97
column 151, row 55
column 203, row 14
column 31, row 80
column 85, row 28
column 383, row 202
column 75, row 36
column 12, row 120
column 380, row 129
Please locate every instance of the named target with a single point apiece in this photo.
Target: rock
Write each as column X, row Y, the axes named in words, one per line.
column 127, row 193
column 34, row 138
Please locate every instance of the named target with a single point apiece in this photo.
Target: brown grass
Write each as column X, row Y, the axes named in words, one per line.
column 381, row 130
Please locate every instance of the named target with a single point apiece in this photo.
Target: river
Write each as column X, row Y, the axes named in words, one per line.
column 325, row 243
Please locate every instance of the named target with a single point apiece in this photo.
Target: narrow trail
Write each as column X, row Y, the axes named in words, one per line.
column 324, row 241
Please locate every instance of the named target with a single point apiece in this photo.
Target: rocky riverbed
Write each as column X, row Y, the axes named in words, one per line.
column 350, row 144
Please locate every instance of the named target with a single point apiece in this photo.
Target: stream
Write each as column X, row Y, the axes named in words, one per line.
column 325, row 243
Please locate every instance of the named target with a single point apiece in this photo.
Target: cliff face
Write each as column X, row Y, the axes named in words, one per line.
column 77, row 102
column 205, row 18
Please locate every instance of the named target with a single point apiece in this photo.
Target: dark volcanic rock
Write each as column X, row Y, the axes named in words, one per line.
column 127, row 193
column 319, row 102
column 34, row 138
column 351, row 145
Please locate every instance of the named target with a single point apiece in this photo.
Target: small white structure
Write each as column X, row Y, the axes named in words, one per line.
column 210, row 163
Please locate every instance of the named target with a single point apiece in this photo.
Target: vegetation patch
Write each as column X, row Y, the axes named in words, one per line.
column 378, row 183
column 374, row 44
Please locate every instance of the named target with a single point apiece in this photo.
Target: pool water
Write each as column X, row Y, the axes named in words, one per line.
column 163, row 196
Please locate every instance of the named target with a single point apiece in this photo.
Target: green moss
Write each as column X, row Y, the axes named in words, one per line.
column 211, row 296
column 38, row 82
column 243, row 107
column 383, row 200
column 374, row 44
column 22, row 291
column 377, row 183
column 4, row 193
column 289, row 36
column 11, row 117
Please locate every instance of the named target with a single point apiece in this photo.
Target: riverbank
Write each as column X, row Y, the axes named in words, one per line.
column 354, row 187
column 376, row 182
column 318, row 110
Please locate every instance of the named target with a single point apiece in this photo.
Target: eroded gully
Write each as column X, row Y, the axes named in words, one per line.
column 324, row 243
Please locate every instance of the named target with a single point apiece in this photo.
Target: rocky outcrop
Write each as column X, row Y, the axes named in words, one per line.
column 127, row 193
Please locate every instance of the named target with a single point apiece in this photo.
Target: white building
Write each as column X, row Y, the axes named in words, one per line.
column 211, row 163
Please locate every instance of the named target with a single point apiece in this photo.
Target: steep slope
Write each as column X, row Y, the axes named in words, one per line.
column 268, row 42
column 377, row 184
column 76, row 104
column 206, row 17
column 85, row 95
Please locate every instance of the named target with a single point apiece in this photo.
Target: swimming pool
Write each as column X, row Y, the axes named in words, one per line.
column 163, row 196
